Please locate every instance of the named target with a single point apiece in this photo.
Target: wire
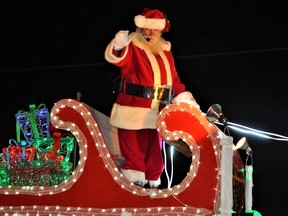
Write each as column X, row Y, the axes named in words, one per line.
column 169, row 179
column 172, row 166
column 233, row 53
column 256, row 132
column 176, row 57
column 52, row 67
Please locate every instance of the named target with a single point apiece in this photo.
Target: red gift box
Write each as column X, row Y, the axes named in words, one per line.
column 14, row 154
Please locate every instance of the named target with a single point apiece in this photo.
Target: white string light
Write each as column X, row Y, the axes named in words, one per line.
column 252, row 131
column 169, row 177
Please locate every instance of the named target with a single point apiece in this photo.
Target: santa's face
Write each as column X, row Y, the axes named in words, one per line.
column 151, row 35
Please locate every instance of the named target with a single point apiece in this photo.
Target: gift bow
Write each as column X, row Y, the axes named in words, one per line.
column 22, row 143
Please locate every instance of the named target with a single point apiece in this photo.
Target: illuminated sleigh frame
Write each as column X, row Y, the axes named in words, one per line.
column 97, row 186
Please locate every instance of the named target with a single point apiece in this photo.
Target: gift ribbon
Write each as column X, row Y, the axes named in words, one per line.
column 58, row 136
column 22, row 143
column 8, row 158
column 31, row 116
column 57, row 139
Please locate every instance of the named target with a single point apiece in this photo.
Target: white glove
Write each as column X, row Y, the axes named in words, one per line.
column 121, row 39
column 186, row 97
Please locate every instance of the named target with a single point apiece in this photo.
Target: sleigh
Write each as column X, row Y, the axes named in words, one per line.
column 96, row 187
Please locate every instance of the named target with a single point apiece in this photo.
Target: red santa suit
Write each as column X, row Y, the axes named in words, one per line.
column 136, row 117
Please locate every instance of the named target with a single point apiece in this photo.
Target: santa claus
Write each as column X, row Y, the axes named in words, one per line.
column 149, row 82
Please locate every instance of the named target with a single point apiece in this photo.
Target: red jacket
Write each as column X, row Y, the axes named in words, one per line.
column 140, row 66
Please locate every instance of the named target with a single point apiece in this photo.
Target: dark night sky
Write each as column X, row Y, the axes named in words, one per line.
column 229, row 52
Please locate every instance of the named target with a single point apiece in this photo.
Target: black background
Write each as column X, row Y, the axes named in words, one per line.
column 233, row 53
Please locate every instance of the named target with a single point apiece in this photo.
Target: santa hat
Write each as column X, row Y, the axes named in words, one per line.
column 152, row 19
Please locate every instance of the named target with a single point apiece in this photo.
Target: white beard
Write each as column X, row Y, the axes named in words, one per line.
column 154, row 45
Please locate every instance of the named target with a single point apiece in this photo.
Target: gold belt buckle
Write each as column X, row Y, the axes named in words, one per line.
column 159, row 90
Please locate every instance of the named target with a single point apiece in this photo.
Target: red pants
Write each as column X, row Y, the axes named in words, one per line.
column 142, row 150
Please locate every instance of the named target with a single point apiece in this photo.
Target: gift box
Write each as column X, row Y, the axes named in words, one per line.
column 16, row 152
column 4, row 172
column 66, row 148
column 57, row 149
column 64, row 143
column 33, row 123
column 4, row 177
column 3, row 164
column 43, row 147
column 43, row 158
column 30, row 176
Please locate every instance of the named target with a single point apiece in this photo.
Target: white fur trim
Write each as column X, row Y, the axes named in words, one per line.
column 167, row 68
column 134, row 175
column 186, row 97
column 155, row 183
column 166, row 46
column 138, row 39
column 149, row 23
column 134, row 118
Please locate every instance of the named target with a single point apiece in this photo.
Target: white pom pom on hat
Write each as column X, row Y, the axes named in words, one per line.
column 140, row 21
column 152, row 19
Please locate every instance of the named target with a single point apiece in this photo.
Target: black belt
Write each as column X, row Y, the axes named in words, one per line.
column 162, row 93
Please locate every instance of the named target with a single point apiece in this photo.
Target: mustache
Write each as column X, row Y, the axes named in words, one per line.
column 150, row 38
column 147, row 38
